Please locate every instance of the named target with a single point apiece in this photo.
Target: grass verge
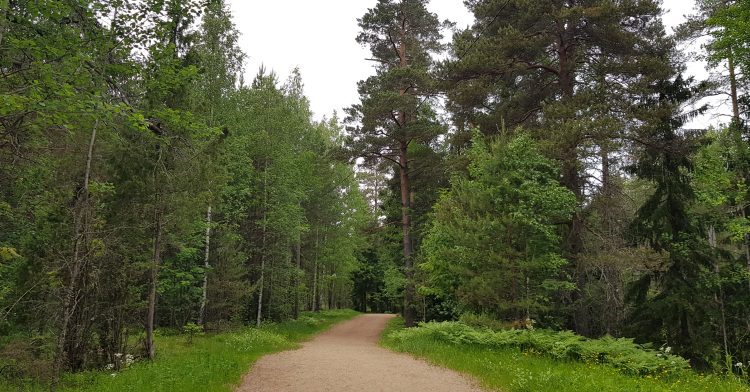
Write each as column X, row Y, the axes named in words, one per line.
column 512, row 370
column 213, row 362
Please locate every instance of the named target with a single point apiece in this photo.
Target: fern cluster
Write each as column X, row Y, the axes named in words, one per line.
column 621, row 353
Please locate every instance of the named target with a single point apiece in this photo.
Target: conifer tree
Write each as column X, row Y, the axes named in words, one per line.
column 393, row 116
column 561, row 69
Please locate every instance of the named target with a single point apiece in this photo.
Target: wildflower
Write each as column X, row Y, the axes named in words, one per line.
column 110, row 366
column 738, row 364
column 668, row 350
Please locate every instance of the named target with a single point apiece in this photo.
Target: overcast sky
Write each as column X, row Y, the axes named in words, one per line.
column 318, row 36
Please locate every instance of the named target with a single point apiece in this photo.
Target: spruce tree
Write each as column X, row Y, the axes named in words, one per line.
column 670, row 302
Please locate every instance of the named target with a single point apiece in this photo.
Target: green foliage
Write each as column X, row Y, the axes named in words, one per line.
column 729, row 26
column 121, row 124
column 507, row 361
column 212, row 362
column 192, row 329
column 493, row 243
column 670, row 302
column 623, row 354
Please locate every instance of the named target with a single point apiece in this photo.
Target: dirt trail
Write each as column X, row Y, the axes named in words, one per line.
column 347, row 358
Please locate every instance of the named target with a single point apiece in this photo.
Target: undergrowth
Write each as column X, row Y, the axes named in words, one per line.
column 547, row 361
column 192, row 362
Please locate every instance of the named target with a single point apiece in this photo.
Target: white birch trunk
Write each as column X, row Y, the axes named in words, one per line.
column 206, row 266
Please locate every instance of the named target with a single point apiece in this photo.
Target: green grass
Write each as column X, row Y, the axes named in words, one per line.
column 211, row 363
column 511, row 370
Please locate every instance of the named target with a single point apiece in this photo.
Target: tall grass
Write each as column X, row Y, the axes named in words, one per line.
column 514, row 370
column 210, row 363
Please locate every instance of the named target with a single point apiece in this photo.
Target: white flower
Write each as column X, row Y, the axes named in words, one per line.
column 118, row 355
column 668, row 350
column 113, row 374
column 129, row 359
column 110, row 366
column 738, row 364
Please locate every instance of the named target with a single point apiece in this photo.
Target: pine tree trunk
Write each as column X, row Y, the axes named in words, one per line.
column 410, row 317
column 733, row 88
column 206, row 266
column 410, row 313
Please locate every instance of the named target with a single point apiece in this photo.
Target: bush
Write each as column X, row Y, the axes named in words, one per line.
column 192, row 329
column 623, row 354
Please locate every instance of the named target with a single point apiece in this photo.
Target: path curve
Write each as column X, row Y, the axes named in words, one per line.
column 347, row 358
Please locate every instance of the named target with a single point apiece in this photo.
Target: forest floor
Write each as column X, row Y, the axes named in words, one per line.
column 347, row 358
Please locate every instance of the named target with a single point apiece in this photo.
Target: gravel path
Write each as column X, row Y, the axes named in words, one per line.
column 347, row 358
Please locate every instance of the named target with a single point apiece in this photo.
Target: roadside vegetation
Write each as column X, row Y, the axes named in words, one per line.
column 549, row 161
column 521, row 360
column 194, row 362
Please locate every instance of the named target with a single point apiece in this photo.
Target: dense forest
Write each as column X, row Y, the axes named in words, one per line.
column 538, row 169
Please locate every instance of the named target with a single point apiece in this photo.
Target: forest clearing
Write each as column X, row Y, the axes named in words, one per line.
column 505, row 195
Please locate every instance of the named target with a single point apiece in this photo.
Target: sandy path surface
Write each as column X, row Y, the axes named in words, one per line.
column 347, row 358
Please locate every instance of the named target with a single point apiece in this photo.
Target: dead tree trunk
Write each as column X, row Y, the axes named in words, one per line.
column 77, row 267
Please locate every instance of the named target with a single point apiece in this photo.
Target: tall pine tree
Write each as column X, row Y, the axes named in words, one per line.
column 393, row 117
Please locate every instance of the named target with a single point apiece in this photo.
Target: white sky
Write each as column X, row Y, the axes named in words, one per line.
column 318, row 36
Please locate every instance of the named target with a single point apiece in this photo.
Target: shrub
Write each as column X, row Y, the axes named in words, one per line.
column 623, row 354
column 192, row 329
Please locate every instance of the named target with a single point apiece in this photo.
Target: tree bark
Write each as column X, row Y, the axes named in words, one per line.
column 206, row 266
column 71, row 293
column 409, row 290
column 263, row 255
column 410, row 311
column 314, row 304
column 733, row 88
column 156, row 262
column 298, row 260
